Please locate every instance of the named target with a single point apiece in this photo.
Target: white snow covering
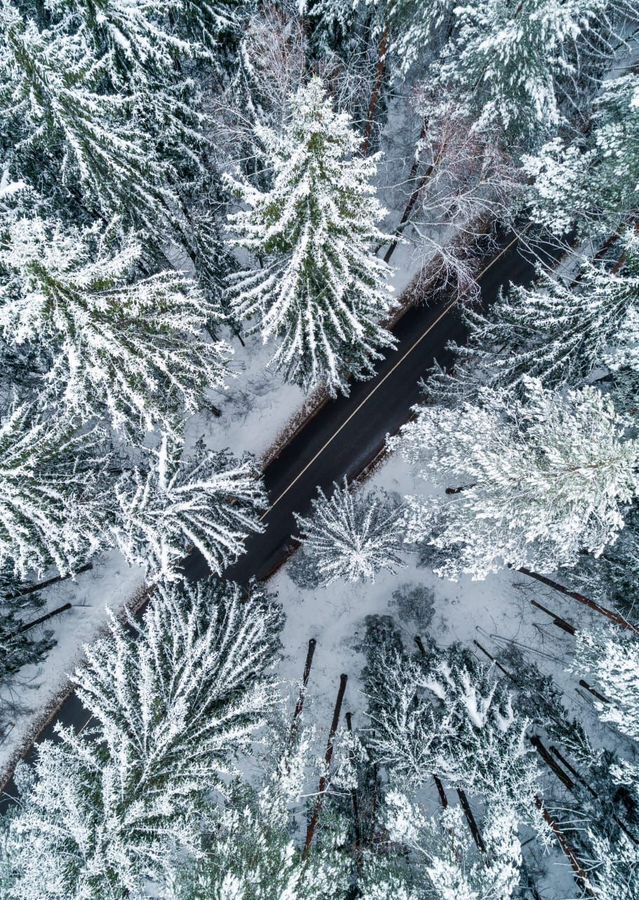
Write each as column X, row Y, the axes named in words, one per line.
column 255, row 409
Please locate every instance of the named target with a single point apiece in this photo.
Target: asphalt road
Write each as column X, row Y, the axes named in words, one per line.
column 345, row 435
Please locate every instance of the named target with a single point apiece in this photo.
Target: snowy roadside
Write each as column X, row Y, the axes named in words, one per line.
column 111, row 585
column 258, row 410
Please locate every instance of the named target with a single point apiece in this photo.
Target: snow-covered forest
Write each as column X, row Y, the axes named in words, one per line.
column 319, row 449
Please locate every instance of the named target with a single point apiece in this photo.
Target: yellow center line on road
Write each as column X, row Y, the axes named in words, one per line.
column 399, row 362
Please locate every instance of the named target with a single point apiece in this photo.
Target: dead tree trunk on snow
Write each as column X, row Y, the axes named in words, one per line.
column 32, row 588
column 557, row 620
column 566, row 848
column 328, row 758
column 470, row 818
column 459, row 489
column 586, row 601
column 299, row 706
column 495, row 662
column 443, row 799
column 565, row 779
column 591, row 690
column 355, row 802
column 44, row 618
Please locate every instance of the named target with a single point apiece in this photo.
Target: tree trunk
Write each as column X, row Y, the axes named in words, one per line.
column 566, row 780
column 470, row 818
column 458, row 490
column 32, row 588
column 420, row 645
column 328, row 758
column 493, row 660
column 562, row 759
column 593, row 691
column 380, row 71
column 568, row 851
column 44, row 618
column 299, row 706
column 557, row 620
column 443, row 799
column 355, row 802
column 586, row 601
column 412, row 200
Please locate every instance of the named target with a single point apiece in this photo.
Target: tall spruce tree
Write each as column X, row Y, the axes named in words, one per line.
column 415, row 31
column 65, row 131
column 612, row 659
column 614, row 869
column 507, row 58
column 135, row 349
column 591, row 183
column 445, row 714
column 52, row 508
column 351, row 535
column 252, row 852
column 104, row 115
column 558, row 332
column 530, row 482
column 320, row 288
column 171, row 703
column 439, row 860
column 207, row 500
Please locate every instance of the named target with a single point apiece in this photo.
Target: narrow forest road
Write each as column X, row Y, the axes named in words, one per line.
column 345, row 435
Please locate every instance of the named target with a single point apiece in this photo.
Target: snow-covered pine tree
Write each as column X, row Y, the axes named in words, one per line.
column 530, row 482
column 416, row 30
column 135, row 349
column 446, row 714
column 331, row 24
column 592, row 184
column 154, row 64
column 351, row 534
column 215, row 24
column 614, row 870
column 442, row 860
column 508, row 58
column 611, row 657
column 610, row 579
column 600, row 801
column 320, row 289
column 251, row 847
column 560, row 333
column 611, row 660
column 68, row 136
column 171, row 702
column 270, row 68
column 209, row 500
column 138, row 37
column 51, row 509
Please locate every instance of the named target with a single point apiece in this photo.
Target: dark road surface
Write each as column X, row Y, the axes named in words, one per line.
column 346, row 434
